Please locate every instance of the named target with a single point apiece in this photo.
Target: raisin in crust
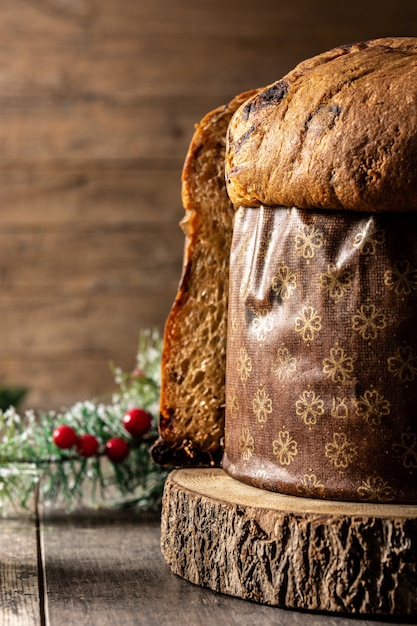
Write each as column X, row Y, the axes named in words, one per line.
column 192, row 406
column 337, row 132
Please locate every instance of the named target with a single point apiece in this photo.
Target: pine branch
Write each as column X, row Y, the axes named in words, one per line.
column 30, row 459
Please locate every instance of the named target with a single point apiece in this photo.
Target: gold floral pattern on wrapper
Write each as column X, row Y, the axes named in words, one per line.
column 322, row 354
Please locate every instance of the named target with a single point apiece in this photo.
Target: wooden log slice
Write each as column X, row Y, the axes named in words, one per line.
column 289, row 551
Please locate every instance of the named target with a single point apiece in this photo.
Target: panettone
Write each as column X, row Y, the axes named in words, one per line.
column 321, row 339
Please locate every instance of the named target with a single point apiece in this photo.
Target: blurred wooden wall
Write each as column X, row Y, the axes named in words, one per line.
column 98, row 100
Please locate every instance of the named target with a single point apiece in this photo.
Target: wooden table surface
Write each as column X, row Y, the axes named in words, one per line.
column 106, row 568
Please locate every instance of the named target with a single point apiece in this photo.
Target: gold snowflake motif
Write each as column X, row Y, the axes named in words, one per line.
column 308, row 323
column 336, row 281
column 244, row 365
column 372, row 406
column 310, row 485
column 232, row 403
column 368, row 321
column 234, row 322
column 402, row 279
column 407, row 449
column 284, row 282
column 307, row 240
column 339, row 408
column 376, row 489
column 309, row 406
column 262, row 405
column 369, row 238
column 403, row 365
column 262, row 479
column 244, row 246
column 340, row 451
column 246, row 444
column 262, row 325
column 285, row 364
column 338, row 366
column 285, row 448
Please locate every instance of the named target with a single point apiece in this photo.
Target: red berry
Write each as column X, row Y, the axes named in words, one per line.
column 137, row 422
column 87, row 445
column 117, row 450
column 64, row 436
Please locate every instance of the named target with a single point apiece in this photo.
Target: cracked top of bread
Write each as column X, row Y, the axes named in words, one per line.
column 337, row 132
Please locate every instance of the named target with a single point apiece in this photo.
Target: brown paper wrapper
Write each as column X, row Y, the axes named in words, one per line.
column 322, row 354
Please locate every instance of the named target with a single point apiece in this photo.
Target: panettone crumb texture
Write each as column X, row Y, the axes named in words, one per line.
column 193, row 361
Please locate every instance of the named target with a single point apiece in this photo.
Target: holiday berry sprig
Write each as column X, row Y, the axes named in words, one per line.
column 137, row 423
column 95, row 447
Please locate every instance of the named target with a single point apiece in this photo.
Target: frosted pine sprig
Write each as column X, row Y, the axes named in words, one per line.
column 31, row 461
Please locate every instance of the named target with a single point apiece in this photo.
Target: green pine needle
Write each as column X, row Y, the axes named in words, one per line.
column 30, row 461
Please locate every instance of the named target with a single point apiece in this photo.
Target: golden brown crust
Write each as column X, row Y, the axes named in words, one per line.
column 193, row 362
column 338, row 132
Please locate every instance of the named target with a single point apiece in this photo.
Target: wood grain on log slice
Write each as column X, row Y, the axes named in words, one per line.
column 288, row 551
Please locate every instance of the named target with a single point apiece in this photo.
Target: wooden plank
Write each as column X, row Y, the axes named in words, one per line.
column 80, row 233
column 100, row 324
column 118, row 260
column 19, row 593
column 61, row 348
column 74, row 20
column 299, row 19
column 106, row 568
column 111, row 67
column 89, row 195
column 85, row 131
column 63, row 379
column 114, row 72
